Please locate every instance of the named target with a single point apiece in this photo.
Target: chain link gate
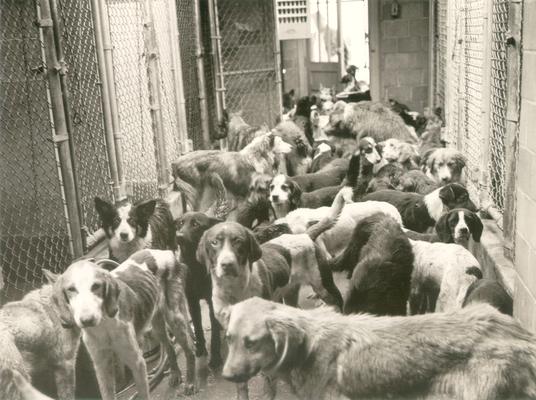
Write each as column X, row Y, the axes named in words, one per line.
column 33, row 227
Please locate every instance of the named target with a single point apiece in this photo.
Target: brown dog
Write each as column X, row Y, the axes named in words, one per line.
column 473, row 353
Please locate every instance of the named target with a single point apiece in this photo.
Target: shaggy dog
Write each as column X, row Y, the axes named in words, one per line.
column 394, row 150
column 490, row 292
column 356, row 120
column 444, row 165
column 416, row 181
column 234, row 168
column 129, row 228
column 387, row 177
column 298, row 160
column 380, row 259
column 240, row 134
column 422, row 212
column 473, row 353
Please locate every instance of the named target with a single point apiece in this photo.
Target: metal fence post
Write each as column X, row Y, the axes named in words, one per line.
column 176, row 70
column 105, row 95
column 277, row 61
column 152, row 60
column 513, row 83
column 61, row 136
column 201, row 76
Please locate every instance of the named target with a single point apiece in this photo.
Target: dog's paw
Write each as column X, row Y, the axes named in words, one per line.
column 189, row 389
column 175, row 379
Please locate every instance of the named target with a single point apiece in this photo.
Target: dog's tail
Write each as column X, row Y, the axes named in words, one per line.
column 329, row 221
column 187, row 191
column 221, row 206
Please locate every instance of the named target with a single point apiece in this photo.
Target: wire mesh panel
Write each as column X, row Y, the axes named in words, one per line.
column 33, row 232
column 497, row 156
column 247, row 30
column 130, row 73
column 90, row 158
column 185, row 21
column 440, row 44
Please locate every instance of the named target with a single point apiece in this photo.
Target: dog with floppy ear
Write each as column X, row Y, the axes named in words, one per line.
column 444, row 165
column 114, row 310
column 241, row 268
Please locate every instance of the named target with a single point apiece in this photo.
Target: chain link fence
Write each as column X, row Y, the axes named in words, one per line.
column 33, row 231
column 470, row 39
column 247, row 30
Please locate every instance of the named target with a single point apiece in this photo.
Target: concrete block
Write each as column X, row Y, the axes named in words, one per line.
column 397, row 61
column 389, row 46
column 418, row 60
column 412, row 10
column 526, row 215
column 524, row 306
column 522, row 257
column 528, row 83
column 419, row 93
column 529, row 28
column 411, row 76
column 400, row 93
column 409, row 44
column 418, row 27
column 523, row 176
column 390, row 79
column 395, row 28
column 528, row 128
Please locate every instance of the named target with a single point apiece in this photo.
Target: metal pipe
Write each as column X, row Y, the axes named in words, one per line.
column 61, row 134
column 58, row 39
column 222, row 90
column 340, row 40
column 110, row 81
column 201, row 76
column 215, row 60
column 431, row 54
column 277, row 61
column 328, row 33
column 152, row 59
column 105, row 98
column 176, row 70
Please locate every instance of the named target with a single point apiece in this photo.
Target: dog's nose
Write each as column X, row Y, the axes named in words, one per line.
column 275, row 197
column 464, row 231
column 88, row 321
column 227, row 266
column 123, row 235
column 234, row 377
column 445, row 179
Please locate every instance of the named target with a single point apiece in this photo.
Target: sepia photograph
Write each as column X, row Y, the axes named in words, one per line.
column 267, row 199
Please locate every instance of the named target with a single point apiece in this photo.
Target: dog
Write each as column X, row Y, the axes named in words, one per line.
column 298, row 159
column 456, row 226
column 394, row 150
column 198, row 286
column 114, row 309
column 289, row 100
column 379, row 258
column 35, row 340
column 422, row 212
column 357, row 120
column 234, row 168
column 240, row 133
column 361, row 167
column 265, row 233
column 332, row 176
column 21, row 386
column 442, row 274
column 490, row 292
column 323, row 154
column 387, row 177
column 286, row 195
column 322, row 354
column 416, row 181
column 334, row 241
column 444, row 165
column 132, row 227
column 413, row 119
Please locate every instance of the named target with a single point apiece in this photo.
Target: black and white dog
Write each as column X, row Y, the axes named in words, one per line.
column 132, row 227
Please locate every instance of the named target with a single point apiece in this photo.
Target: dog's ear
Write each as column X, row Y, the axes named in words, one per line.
column 111, row 296
column 255, row 251
column 443, row 229
column 291, row 92
column 427, row 160
column 202, row 254
column 475, row 225
column 460, row 160
column 50, row 276
column 447, row 195
column 287, row 336
column 104, row 209
column 59, row 297
column 295, row 195
column 145, row 210
column 213, row 221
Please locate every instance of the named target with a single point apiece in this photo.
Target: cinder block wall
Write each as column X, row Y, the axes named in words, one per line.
column 525, row 253
column 404, row 53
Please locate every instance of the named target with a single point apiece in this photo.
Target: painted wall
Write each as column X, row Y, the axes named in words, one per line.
column 404, row 52
column 525, row 253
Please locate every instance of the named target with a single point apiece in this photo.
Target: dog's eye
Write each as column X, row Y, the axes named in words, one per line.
column 248, row 343
column 237, row 241
column 284, row 187
column 195, row 224
column 96, row 286
column 72, row 289
column 368, row 151
column 271, row 187
column 131, row 222
column 214, row 242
